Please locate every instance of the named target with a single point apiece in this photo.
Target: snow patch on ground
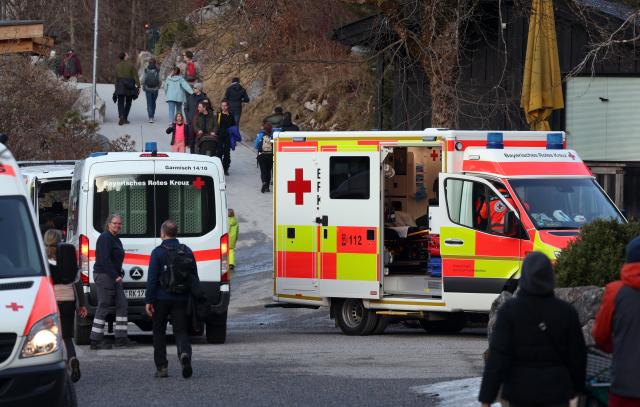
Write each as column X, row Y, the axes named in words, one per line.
column 456, row 393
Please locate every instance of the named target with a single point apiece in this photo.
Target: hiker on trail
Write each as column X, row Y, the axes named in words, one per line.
column 53, row 62
column 225, row 121
column 192, row 71
column 236, row 95
column 264, row 146
column 537, row 351
column 151, row 85
column 151, row 37
column 275, row 118
column 617, row 329
column 127, row 87
column 181, row 135
column 233, row 237
column 70, row 66
column 191, row 107
column 206, row 129
column 287, row 125
column 171, row 269
column 174, row 88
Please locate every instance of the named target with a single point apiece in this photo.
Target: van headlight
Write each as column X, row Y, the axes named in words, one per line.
column 557, row 253
column 43, row 338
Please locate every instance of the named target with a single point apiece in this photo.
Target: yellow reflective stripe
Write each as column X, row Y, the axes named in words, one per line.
column 357, row 266
column 299, row 297
column 468, row 236
column 303, row 241
column 540, row 246
column 496, row 268
column 330, row 244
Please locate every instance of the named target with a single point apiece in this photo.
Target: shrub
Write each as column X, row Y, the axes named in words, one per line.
column 596, row 256
column 178, row 31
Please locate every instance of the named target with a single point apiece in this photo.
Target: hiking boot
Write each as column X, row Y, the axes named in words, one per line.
column 126, row 121
column 151, row 120
column 162, row 372
column 185, row 361
column 74, row 365
column 120, row 122
column 99, row 345
column 226, row 172
column 122, row 343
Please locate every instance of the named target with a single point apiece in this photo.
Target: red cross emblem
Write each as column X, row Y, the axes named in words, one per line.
column 434, row 155
column 573, row 157
column 299, row 187
column 15, row 307
column 198, row 183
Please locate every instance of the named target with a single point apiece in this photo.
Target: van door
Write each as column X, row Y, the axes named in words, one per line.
column 348, row 219
column 126, row 188
column 479, row 255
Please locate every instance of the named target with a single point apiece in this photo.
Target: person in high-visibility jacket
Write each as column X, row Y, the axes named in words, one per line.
column 497, row 211
column 233, row 237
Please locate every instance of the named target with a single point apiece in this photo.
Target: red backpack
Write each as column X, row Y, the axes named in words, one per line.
column 190, row 75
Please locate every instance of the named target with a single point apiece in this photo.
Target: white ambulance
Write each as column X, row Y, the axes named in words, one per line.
column 147, row 188
column 32, row 369
column 430, row 225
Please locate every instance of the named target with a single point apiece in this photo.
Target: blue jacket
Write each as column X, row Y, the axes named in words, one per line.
column 158, row 265
column 234, row 136
column 258, row 142
column 174, row 88
column 109, row 255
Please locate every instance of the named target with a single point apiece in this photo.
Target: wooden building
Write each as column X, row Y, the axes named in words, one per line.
column 25, row 36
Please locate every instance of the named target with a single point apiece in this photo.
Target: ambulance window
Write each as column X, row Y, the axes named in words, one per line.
column 187, row 199
column 349, row 177
column 130, row 196
column 20, row 254
column 459, row 195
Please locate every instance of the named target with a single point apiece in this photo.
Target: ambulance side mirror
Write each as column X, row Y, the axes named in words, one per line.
column 513, row 226
column 67, row 264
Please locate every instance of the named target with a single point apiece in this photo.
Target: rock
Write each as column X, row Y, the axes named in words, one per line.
column 256, row 88
column 207, row 13
column 143, row 60
column 359, row 50
column 493, row 311
column 170, row 61
column 312, row 106
column 84, row 105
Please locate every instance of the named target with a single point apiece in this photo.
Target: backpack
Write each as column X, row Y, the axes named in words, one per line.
column 152, row 78
column 190, row 73
column 176, row 277
column 267, row 146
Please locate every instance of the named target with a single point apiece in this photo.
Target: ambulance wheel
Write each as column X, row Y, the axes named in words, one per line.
column 381, row 325
column 69, row 397
column 354, row 319
column 216, row 329
column 82, row 331
column 454, row 323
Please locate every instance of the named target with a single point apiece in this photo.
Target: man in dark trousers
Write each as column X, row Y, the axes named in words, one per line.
column 617, row 329
column 206, row 128
column 537, row 351
column 236, row 95
column 163, row 298
column 127, row 87
column 225, row 120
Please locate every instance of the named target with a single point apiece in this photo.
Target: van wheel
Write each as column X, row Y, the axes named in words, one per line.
column 83, row 330
column 381, row 325
column 69, row 398
column 454, row 323
column 217, row 329
column 354, row 319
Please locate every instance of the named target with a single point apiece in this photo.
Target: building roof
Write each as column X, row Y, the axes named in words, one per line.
column 4, row 23
column 611, row 8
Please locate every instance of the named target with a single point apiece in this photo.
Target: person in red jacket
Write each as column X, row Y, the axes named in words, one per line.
column 617, row 330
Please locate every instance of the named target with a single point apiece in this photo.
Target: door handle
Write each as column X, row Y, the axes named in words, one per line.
column 454, row 242
column 322, row 220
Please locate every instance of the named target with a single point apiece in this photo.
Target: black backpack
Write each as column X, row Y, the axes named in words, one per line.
column 152, row 78
column 177, row 275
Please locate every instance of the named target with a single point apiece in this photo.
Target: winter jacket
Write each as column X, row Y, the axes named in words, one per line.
column 233, row 237
column 158, row 265
column 617, row 326
column 174, row 88
column 109, row 255
column 236, row 95
column 127, row 79
column 191, row 107
column 205, row 123
column 70, row 66
column 275, row 120
column 146, row 88
column 224, row 122
column 188, row 135
column 288, row 126
column 234, row 136
column 183, row 69
column 537, row 351
column 258, row 142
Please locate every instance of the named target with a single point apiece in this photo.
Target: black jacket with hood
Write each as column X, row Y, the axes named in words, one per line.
column 236, row 95
column 537, row 351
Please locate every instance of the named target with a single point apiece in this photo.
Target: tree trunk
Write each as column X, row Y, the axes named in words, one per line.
column 132, row 27
column 72, row 25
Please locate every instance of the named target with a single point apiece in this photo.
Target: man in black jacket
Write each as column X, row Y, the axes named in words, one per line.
column 236, row 95
column 537, row 351
column 225, row 120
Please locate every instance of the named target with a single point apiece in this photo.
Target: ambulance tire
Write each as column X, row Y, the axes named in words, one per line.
column 82, row 332
column 216, row 329
column 354, row 319
column 382, row 324
column 69, row 397
column 454, row 323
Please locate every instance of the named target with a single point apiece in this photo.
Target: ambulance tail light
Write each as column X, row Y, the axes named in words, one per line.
column 83, row 260
column 554, row 141
column 495, row 140
column 224, row 259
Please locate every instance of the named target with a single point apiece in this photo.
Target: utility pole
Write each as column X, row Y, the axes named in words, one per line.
column 95, row 57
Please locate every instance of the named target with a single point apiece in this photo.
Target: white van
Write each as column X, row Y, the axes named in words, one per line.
column 32, row 369
column 147, row 188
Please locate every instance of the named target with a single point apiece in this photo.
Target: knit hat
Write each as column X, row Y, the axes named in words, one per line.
column 633, row 250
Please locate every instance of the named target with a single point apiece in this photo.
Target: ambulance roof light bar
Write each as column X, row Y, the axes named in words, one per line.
column 495, row 140
column 554, row 141
column 151, row 147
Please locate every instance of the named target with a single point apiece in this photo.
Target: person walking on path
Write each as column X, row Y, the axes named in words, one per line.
column 236, row 95
column 191, row 107
column 127, row 87
column 225, row 121
column 174, row 88
column 264, row 146
column 66, row 296
column 192, row 71
column 536, row 352
column 151, row 85
column 151, row 37
column 180, row 135
column 617, row 330
column 206, row 129
column 233, row 237
column 275, row 118
column 287, row 124
column 108, row 274
column 70, row 66
column 171, row 269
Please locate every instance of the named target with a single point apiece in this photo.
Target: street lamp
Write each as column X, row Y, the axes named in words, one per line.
column 95, row 58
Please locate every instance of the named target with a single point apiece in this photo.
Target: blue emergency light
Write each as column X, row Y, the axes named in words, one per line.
column 554, row 141
column 98, row 154
column 151, row 147
column 494, row 140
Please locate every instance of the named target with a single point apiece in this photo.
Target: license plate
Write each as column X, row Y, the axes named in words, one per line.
column 135, row 294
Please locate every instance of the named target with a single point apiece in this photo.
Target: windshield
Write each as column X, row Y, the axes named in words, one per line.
column 563, row 203
column 20, row 254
